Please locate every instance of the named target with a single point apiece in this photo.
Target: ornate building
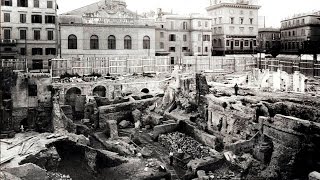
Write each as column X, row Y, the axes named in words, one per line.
column 235, row 26
column 106, row 28
column 28, row 31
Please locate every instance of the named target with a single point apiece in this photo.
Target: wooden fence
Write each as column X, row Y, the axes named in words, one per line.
column 111, row 65
column 308, row 67
column 214, row 63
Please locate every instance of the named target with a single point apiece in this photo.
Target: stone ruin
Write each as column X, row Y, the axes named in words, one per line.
column 212, row 133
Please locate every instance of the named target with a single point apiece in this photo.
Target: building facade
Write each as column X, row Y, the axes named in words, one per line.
column 301, row 34
column 235, row 26
column 105, row 28
column 183, row 35
column 29, row 31
column 269, row 40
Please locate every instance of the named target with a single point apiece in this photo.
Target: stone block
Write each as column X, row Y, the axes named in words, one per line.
column 28, row 172
column 102, row 101
column 314, row 176
column 112, row 129
column 163, row 129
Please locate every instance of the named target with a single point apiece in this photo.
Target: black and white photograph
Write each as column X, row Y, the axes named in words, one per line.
column 159, row 90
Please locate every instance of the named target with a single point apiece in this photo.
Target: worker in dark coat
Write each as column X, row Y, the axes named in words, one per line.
column 236, row 89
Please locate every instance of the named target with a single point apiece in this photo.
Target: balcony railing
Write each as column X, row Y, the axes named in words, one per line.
column 8, row 41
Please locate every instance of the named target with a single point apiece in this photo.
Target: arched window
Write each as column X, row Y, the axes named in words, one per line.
column 146, row 42
column 111, row 42
column 127, row 42
column 94, row 42
column 72, row 42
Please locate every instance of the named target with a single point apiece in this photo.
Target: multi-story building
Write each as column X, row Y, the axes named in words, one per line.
column 300, row 33
column 106, row 28
column 29, row 31
column 269, row 40
column 183, row 35
column 235, row 26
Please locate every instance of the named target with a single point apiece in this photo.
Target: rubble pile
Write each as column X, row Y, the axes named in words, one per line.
column 175, row 141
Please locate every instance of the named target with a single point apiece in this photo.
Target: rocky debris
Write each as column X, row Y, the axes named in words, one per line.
column 28, row 172
column 58, row 176
column 48, row 159
column 176, row 140
column 201, row 174
column 120, row 147
column 205, row 163
column 146, row 152
column 152, row 119
column 314, row 176
column 137, row 125
column 124, row 124
column 83, row 129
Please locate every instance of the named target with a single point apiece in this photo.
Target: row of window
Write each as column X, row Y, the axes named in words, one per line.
column 295, row 22
column 242, row 43
column 184, row 49
column 172, row 37
column 232, row 11
column 112, row 42
column 24, row 3
column 23, row 34
column 232, row 20
column 292, row 45
column 293, row 33
column 185, row 24
column 49, row 19
column 39, row 51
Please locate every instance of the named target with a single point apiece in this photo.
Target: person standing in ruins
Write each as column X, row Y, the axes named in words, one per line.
column 171, row 158
column 236, row 89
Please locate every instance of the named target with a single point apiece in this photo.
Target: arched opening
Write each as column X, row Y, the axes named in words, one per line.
column 146, row 42
column 112, row 42
column 99, row 91
column 71, row 96
column 72, row 42
column 127, row 42
column 94, row 42
column 24, row 123
column 145, row 90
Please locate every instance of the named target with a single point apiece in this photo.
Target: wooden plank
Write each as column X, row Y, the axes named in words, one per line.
column 19, row 143
column 6, row 160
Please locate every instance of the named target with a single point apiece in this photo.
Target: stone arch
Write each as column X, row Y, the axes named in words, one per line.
column 71, row 95
column 145, row 90
column 100, row 91
column 24, row 123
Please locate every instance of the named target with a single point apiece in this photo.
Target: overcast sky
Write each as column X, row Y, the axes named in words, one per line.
column 273, row 10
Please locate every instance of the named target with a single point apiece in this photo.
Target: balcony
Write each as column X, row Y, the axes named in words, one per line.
column 8, row 41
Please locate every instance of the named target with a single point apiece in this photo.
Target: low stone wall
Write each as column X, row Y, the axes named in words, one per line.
column 201, row 136
column 164, row 129
column 243, row 146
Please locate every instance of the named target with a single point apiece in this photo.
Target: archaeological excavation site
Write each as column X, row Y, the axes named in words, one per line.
column 253, row 125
